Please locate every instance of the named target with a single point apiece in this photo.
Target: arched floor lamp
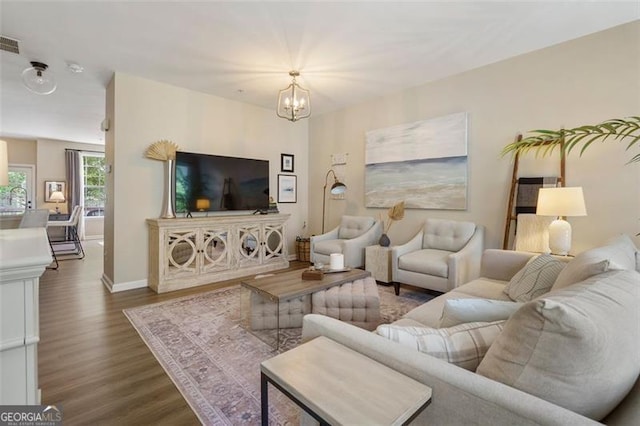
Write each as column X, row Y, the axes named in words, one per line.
column 336, row 189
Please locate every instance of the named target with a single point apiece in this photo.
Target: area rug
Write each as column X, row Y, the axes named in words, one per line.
column 215, row 362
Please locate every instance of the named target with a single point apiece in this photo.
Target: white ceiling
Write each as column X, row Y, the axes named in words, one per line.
column 346, row 52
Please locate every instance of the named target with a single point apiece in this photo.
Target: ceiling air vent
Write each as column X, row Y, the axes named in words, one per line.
column 9, row 45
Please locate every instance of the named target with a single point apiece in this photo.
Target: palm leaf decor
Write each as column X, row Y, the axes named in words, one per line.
column 162, row 150
column 396, row 212
column 545, row 141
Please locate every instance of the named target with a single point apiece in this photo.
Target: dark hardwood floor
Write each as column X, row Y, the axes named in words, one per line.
column 92, row 361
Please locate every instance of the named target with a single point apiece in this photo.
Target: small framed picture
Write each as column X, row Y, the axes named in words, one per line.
column 286, row 163
column 54, row 186
column 287, row 188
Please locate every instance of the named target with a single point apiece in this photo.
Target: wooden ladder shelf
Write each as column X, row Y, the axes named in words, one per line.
column 511, row 216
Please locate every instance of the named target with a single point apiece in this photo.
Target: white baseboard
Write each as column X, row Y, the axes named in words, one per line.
column 115, row 288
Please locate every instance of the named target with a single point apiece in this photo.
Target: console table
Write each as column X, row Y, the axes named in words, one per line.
column 24, row 255
column 187, row 252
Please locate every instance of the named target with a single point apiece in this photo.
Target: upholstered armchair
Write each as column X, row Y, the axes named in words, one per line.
column 350, row 238
column 443, row 255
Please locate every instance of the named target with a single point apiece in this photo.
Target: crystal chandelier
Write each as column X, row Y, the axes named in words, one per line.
column 294, row 102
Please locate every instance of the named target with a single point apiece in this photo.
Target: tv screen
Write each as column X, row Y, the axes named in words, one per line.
column 216, row 183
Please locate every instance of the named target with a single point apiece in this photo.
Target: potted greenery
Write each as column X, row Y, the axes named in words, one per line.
column 545, row 141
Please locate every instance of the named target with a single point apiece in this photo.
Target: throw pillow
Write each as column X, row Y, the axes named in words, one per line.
column 619, row 253
column 535, row 279
column 623, row 252
column 460, row 311
column 576, row 347
column 463, row 345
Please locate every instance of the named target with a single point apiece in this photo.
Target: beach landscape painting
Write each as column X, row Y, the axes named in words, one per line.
column 423, row 163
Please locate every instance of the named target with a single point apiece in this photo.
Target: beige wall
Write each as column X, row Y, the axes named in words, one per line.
column 584, row 81
column 109, row 208
column 51, row 165
column 47, row 156
column 21, row 151
column 142, row 112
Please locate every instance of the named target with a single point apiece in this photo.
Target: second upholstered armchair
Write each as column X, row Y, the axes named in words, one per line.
column 350, row 238
column 443, row 255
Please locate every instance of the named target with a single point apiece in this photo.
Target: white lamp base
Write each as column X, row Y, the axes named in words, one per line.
column 560, row 237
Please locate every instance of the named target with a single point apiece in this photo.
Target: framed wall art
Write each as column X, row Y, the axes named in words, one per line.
column 50, row 187
column 423, row 163
column 286, row 163
column 287, row 188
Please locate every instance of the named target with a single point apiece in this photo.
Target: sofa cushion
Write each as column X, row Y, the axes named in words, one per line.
column 460, row 311
column 535, row 279
column 354, row 226
column 426, row 261
column 619, row 253
column 576, row 272
column 463, row 345
column 625, row 251
column 429, row 314
column 328, row 246
column 449, row 235
column 484, row 288
column 576, row 347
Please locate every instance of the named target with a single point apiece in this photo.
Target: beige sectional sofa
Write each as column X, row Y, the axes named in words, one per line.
column 596, row 376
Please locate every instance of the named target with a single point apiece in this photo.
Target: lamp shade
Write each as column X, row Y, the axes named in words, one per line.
column 57, row 197
column 338, row 188
column 561, row 202
column 4, row 164
column 203, row 204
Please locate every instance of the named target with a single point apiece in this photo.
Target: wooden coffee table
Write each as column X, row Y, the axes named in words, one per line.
column 286, row 286
column 339, row 386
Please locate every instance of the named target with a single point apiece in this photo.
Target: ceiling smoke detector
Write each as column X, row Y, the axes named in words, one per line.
column 75, row 67
column 38, row 80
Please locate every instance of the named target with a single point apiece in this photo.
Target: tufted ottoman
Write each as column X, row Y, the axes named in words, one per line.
column 263, row 312
column 357, row 303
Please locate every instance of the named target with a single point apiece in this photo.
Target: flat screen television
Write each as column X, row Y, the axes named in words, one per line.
column 215, row 183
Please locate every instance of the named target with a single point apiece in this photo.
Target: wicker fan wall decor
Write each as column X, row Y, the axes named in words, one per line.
column 162, row 150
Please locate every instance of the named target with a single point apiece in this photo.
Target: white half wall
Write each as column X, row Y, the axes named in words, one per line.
column 584, row 81
column 142, row 112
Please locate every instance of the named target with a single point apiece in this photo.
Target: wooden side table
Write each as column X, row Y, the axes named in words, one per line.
column 378, row 262
column 339, row 386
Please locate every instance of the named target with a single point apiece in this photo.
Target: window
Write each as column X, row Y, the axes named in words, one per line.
column 93, row 180
column 17, row 196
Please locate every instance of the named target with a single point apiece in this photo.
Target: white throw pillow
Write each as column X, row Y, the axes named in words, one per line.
column 619, row 253
column 463, row 345
column 535, row 279
column 460, row 311
column 576, row 347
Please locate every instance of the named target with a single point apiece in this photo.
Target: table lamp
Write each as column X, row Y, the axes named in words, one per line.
column 203, row 204
column 57, row 197
column 561, row 202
